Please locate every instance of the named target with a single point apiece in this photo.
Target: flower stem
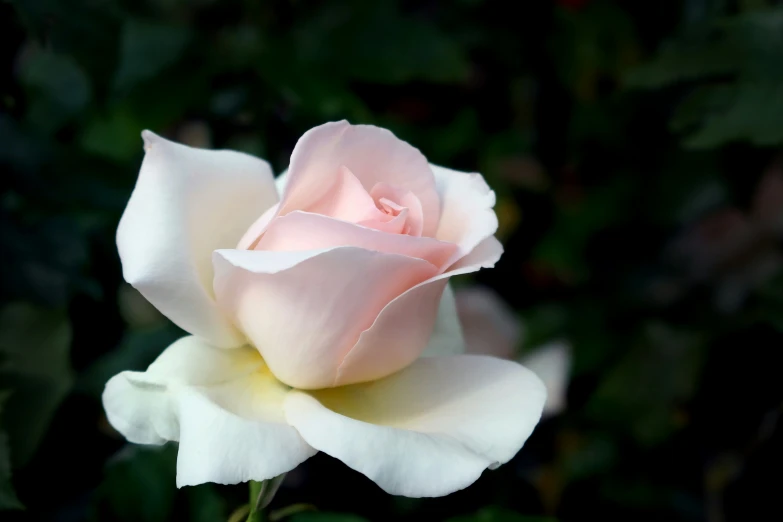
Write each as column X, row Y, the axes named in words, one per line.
column 256, row 514
column 261, row 494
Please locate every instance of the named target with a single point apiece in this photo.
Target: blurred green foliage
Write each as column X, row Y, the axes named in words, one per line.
column 733, row 66
column 635, row 151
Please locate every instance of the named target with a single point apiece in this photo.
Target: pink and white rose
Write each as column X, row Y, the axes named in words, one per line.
column 320, row 315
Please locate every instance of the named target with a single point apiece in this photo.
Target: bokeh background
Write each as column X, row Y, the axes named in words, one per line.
column 635, row 150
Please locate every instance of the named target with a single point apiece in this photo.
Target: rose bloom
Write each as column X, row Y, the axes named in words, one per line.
column 320, row 315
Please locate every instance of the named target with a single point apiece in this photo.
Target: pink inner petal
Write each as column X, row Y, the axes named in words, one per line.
column 396, row 198
column 389, row 223
column 386, row 208
column 347, row 200
column 299, row 231
column 374, row 155
column 251, row 237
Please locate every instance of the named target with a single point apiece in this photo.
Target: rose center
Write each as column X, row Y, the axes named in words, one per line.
column 398, row 207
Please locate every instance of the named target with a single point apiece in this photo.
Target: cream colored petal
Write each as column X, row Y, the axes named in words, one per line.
column 187, row 203
column 428, row 430
column 223, row 406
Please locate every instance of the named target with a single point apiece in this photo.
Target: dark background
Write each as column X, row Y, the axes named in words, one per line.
column 634, row 147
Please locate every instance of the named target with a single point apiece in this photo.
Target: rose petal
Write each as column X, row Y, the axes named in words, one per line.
column 489, row 325
column 305, row 310
column 386, row 345
column 405, row 199
column 447, row 336
column 483, row 255
column 388, row 223
column 348, row 200
column 254, row 232
column 223, row 406
column 299, row 231
column 187, row 203
column 552, row 364
column 467, row 217
column 373, row 154
column 398, row 336
column 428, row 430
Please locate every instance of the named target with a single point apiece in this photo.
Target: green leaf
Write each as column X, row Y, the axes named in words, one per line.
column 595, row 454
column 136, row 351
column 754, row 113
column 543, row 323
column 8, row 498
column 643, row 392
column 563, row 247
column 205, row 504
column 139, row 485
column 385, row 45
column 146, row 49
column 326, row 517
column 115, row 135
column 310, row 91
column 498, row 514
column 737, row 65
column 677, row 64
column 57, row 86
column 34, row 346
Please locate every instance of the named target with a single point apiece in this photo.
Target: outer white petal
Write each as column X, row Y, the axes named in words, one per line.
column 187, row 203
column 447, row 338
column 467, row 217
column 223, row 406
column 552, row 363
column 428, row 430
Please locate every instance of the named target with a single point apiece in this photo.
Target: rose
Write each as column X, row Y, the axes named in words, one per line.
column 336, row 288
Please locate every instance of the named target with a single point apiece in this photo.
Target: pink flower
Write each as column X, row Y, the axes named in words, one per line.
column 310, row 309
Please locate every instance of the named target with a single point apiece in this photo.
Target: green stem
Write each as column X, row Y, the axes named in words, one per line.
column 256, row 514
column 261, row 494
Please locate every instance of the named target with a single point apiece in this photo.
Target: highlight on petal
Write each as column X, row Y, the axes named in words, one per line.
column 552, row 364
column 188, row 202
column 372, row 154
column 488, row 323
column 305, row 310
column 428, row 430
column 467, row 215
column 223, row 406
